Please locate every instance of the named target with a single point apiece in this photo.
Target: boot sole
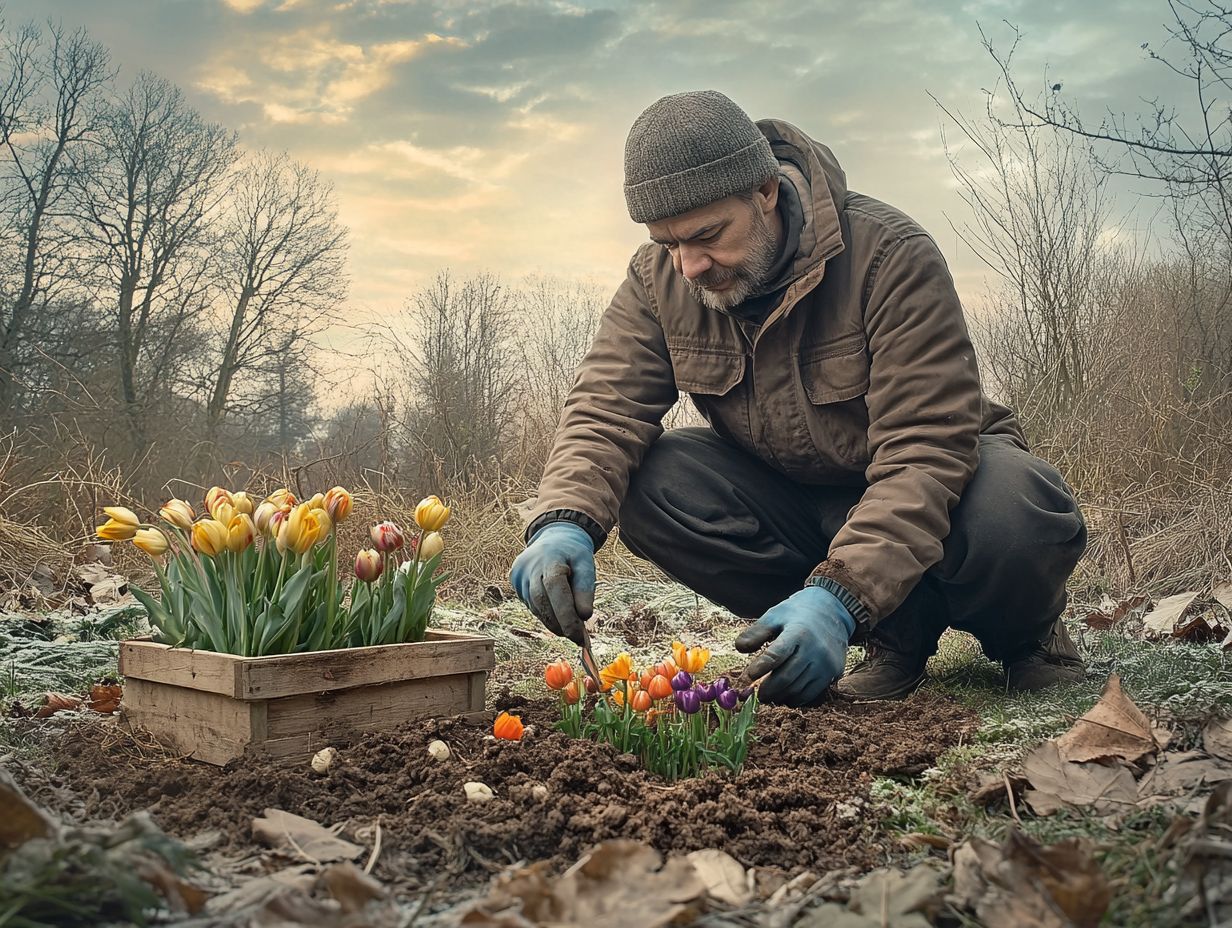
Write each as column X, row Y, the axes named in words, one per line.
column 899, row 692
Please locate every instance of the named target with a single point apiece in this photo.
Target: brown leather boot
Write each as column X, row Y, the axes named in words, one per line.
column 883, row 674
column 1052, row 662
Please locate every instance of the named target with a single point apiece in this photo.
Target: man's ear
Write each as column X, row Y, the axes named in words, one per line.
column 769, row 192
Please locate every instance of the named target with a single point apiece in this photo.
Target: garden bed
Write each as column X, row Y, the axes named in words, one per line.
column 799, row 803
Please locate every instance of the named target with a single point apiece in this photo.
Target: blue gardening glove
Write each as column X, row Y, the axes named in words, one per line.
column 809, row 631
column 555, row 577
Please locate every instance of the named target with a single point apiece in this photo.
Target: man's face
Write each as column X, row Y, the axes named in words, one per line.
column 724, row 250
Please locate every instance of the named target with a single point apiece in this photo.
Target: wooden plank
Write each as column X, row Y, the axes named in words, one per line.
column 478, row 693
column 206, row 671
column 326, row 671
column 299, row 726
column 206, row 726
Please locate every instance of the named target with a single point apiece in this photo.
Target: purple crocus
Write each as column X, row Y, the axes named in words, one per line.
column 682, row 681
column 728, row 699
column 705, row 692
column 688, row 702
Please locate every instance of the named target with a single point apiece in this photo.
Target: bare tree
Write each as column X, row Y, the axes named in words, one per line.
column 282, row 255
column 46, row 114
column 145, row 197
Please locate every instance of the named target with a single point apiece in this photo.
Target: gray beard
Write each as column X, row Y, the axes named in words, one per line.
column 747, row 278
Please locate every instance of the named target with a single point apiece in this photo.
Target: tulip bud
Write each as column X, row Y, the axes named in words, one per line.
column 508, row 727
column 431, row 514
column 240, row 533
column 660, row 687
column 386, row 537
column 688, row 702
column 123, row 515
column 115, row 530
column 728, row 699
column 666, row 668
column 644, row 679
column 262, row 516
column 592, row 687
column 209, row 537
column 242, row 503
column 640, row 701
column 324, row 522
column 682, row 681
column 558, row 674
column 705, row 692
column 317, row 501
column 431, row 545
column 223, row 512
column 368, row 565
column 338, row 504
column 178, row 513
column 282, row 498
column 151, row 541
column 214, row 496
column 276, row 522
column 570, row 693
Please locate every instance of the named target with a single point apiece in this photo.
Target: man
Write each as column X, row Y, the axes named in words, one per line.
column 855, row 484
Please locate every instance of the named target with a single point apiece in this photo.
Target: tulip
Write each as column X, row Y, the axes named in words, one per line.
column 640, row 701
column 178, row 513
column 618, row 670
column 301, row 530
column 317, row 501
column 214, row 496
column 209, row 537
column 591, row 686
column 666, row 668
column 262, row 516
column 223, row 512
column 151, row 541
column 368, row 565
column 240, row 533
column 276, row 522
column 644, row 680
column 114, row 530
column 705, row 692
column 431, row 514
column 325, row 523
column 690, row 659
column 688, row 702
column 728, row 699
column 338, row 504
column 721, row 684
column 660, row 687
column 682, row 681
column 282, row 498
column 508, row 727
column 746, row 693
column 431, row 545
column 386, row 537
column 123, row 515
column 570, row 693
column 242, row 503
column 558, row 674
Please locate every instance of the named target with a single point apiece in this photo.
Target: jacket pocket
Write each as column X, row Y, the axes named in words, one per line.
column 711, row 371
column 835, row 371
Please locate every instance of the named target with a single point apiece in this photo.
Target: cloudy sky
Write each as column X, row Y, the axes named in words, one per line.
column 488, row 135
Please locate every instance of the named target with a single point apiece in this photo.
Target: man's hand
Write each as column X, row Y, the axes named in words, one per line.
column 555, row 577
column 809, row 631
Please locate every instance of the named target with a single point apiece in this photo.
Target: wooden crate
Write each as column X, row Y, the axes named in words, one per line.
column 217, row 707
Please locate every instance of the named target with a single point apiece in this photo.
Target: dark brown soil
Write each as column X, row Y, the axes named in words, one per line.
column 791, row 808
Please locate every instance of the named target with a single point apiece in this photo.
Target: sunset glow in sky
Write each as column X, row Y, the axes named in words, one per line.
column 488, row 135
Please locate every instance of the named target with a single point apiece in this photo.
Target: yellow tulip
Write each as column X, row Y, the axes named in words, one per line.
column 223, row 512
column 431, row 514
column 178, row 513
column 264, row 513
column 324, row 522
column 431, row 545
column 282, row 498
column 302, row 529
column 112, row 530
column 240, row 532
column 338, row 504
column 214, row 496
column 242, row 503
column 617, row 670
column 317, row 501
column 151, row 541
column 209, row 536
column 123, row 515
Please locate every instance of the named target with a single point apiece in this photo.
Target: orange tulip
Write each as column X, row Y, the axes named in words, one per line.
column 508, row 727
column 558, row 675
column 666, row 668
column 570, row 693
column 338, row 504
column 644, row 680
column 690, row 659
column 660, row 687
column 640, row 701
column 617, row 670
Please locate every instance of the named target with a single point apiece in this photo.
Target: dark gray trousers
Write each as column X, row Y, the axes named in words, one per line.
column 738, row 532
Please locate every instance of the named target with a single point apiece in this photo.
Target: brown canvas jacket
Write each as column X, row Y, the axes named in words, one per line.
column 864, row 373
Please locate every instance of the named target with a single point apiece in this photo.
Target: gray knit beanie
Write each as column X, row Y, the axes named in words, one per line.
column 690, row 149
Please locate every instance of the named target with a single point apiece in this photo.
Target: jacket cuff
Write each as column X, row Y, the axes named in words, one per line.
column 834, row 577
column 589, row 525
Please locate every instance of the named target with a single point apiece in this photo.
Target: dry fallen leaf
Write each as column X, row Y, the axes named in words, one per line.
column 885, row 899
column 105, row 697
column 351, row 887
column 1217, row 738
column 725, row 878
column 1058, row 783
column 20, row 819
column 1222, row 594
column 1161, row 621
column 1022, row 884
column 621, row 879
column 1110, row 612
column 1179, row 773
column 1203, row 890
column 56, row 702
column 301, row 836
column 1113, row 728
